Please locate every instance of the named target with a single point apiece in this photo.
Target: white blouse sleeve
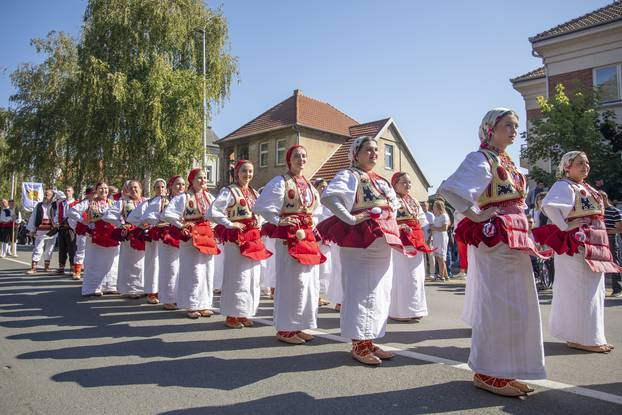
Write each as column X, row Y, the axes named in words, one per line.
column 31, row 220
column 270, row 201
column 135, row 216
column 151, row 215
column 558, row 203
column 174, row 211
column 112, row 213
column 465, row 185
column 339, row 196
column 217, row 211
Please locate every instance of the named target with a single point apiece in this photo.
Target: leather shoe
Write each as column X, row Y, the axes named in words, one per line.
column 290, row 340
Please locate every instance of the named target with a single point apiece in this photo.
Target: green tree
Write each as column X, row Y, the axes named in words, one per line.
column 125, row 101
column 574, row 122
column 141, row 85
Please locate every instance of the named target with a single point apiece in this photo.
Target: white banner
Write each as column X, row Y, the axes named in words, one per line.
column 32, row 193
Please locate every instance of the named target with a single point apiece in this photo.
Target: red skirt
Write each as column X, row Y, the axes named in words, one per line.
column 249, row 240
column 511, row 229
column 594, row 241
column 414, row 237
column 102, row 234
column 362, row 234
column 306, row 250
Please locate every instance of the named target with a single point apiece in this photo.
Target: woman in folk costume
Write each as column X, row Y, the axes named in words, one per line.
column 81, row 235
column 501, row 303
column 365, row 229
column 102, row 250
column 139, row 218
column 408, row 293
column 197, row 247
column 167, row 244
column 6, row 228
column 582, row 256
column 132, row 254
column 289, row 203
column 238, row 230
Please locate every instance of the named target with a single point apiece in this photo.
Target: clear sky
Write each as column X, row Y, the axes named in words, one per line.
column 434, row 66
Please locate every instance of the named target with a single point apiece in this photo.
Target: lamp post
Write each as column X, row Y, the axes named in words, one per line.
column 202, row 30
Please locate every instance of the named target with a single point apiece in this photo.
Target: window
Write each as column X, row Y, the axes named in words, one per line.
column 243, row 152
column 607, row 82
column 263, row 155
column 208, row 172
column 280, row 152
column 388, row 156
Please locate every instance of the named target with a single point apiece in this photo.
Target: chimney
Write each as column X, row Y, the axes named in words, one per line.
column 297, row 92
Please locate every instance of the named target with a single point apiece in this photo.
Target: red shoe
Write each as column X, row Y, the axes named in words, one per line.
column 498, row 386
column 233, row 323
column 153, row 299
column 363, row 351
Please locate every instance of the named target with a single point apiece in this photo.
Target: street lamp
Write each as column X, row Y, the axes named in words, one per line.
column 202, row 30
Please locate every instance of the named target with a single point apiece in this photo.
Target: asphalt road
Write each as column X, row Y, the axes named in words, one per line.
column 62, row 354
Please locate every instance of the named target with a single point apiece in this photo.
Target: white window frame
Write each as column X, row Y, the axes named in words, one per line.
column 618, row 67
column 387, row 146
column 276, row 151
column 264, row 152
column 209, row 172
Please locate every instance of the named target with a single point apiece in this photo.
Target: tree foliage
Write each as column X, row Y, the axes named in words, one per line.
column 574, row 122
column 125, row 101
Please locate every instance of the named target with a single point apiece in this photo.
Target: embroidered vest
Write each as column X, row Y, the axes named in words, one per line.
column 242, row 207
column 95, row 209
column 196, row 205
column 128, row 206
column 408, row 210
column 587, row 201
column 294, row 202
column 507, row 184
column 368, row 194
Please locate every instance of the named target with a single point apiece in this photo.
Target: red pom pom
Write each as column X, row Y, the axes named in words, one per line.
column 502, row 173
column 243, row 202
column 291, row 193
column 583, row 192
column 191, row 204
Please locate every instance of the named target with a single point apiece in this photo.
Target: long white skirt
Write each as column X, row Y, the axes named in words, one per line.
column 297, row 292
column 131, row 270
column 80, row 249
column 334, row 290
column 578, row 307
column 408, row 292
column 219, row 262
column 501, row 305
column 168, row 273
column 101, row 273
column 367, row 280
column 240, row 286
column 196, row 278
column 151, row 267
column 268, row 266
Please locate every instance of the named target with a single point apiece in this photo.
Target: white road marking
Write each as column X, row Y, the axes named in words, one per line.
column 17, row 260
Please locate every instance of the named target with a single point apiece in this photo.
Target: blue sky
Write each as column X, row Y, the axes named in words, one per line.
column 435, row 67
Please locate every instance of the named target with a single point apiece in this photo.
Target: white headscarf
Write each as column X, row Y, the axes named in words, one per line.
column 356, row 146
column 159, row 180
column 566, row 161
column 490, row 120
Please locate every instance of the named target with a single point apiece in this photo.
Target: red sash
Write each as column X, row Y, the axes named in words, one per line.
column 171, row 236
column 511, row 229
column 249, row 240
column 45, row 225
column 137, row 238
column 413, row 236
column 363, row 234
column 306, row 250
column 102, row 234
column 592, row 238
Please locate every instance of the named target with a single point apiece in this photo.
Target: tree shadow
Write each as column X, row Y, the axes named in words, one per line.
column 454, row 397
column 212, row 372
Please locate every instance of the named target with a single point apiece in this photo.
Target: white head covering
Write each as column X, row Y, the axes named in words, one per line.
column 356, row 146
column 490, row 120
column 159, row 180
column 566, row 161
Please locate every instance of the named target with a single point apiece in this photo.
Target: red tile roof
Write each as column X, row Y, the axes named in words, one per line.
column 297, row 110
column 605, row 15
column 339, row 160
column 535, row 74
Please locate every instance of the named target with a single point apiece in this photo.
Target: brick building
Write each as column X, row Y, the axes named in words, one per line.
column 582, row 54
column 325, row 132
